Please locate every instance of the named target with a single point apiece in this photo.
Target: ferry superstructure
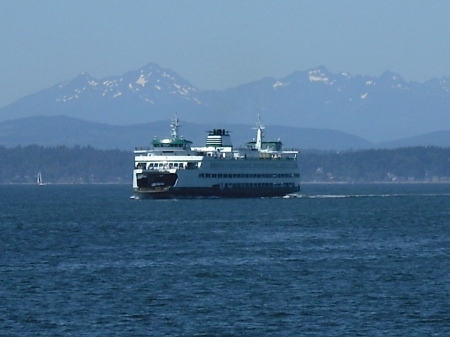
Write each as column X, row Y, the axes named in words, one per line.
column 174, row 168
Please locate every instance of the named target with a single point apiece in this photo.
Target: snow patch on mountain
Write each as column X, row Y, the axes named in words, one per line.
column 279, row 84
column 142, row 80
column 317, row 76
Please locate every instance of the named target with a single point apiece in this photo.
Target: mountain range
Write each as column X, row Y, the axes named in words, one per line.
column 53, row 131
column 61, row 130
column 312, row 109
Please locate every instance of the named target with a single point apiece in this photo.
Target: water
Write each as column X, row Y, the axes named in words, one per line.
column 343, row 260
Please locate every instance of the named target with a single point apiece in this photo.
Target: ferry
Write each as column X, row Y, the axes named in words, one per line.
column 174, row 168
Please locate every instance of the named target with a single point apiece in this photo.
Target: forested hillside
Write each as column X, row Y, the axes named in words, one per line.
column 65, row 165
column 88, row 165
column 429, row 164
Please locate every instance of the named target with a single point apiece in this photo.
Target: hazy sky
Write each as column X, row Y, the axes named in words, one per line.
column 218, row 44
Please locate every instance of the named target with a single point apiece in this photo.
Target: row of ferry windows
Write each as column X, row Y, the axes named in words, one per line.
column 174, row 165
column 247, row 175
column 156, row 165
column 244, row 165
column 243, row 185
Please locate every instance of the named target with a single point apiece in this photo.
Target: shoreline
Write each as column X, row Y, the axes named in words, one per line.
column 301, row 183
column 373, row 182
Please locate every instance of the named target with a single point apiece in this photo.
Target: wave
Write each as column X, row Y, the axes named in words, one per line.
column 394, row 195
column 328, row 196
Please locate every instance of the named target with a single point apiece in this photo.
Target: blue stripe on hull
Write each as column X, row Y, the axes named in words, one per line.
column 224, row 193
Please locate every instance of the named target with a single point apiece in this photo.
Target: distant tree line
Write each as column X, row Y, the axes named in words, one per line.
column 77, row 164
column 61, row 164
column 431, row 164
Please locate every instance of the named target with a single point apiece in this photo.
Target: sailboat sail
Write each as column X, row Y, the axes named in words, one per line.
column 39, row 179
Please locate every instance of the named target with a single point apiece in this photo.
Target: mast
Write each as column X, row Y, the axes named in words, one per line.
column 175, row 125
column 259, row 134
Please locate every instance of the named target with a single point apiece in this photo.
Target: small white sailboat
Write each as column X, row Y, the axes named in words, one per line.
column 39, row 181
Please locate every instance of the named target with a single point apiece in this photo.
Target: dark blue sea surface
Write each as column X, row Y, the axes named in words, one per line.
column 341, row 260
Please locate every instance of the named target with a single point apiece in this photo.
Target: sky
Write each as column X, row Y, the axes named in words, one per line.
column 218, row 44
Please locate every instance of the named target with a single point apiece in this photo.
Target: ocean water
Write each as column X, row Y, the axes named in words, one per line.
column 341, row 260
